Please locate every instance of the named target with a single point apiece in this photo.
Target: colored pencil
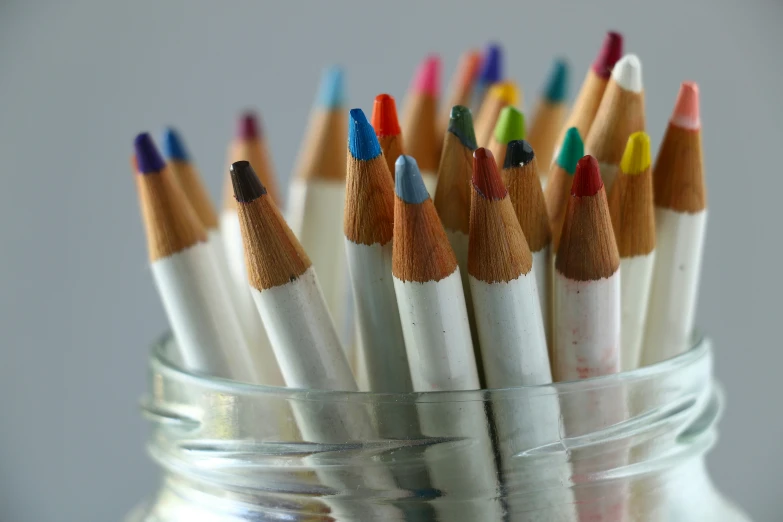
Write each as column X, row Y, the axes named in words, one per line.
column 452, row 200
column 509, row 127
column 550, row 112
column 462, row 85
column 186, row 274
column 501, row 95
column 288, row 297
column 368, row 226
column 620, row 114
column 633, row 221
column 440, row 352
column 557, row 192
column 592, row 90
column 317, row 196
column 511, row 329
column 387, row 129
column 520, row 176
column 587, row 332
column 420, row 120
column 681, row 219
column 491, row 72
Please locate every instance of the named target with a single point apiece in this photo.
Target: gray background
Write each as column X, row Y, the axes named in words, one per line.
column 79, row 79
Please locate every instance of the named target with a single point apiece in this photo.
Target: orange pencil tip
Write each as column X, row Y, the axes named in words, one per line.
column 384, row 116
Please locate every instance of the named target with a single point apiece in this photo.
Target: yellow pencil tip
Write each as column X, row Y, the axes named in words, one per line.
column 506, row 91
column 636, row 158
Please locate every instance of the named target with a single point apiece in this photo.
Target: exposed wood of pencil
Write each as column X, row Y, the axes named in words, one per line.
column 322, row 155
column 527, row 198
column 369, row 203
column 545, row 128
column 633, row 217
column 585, row 106
column 273, row 255
column 421, row 249
column 587, row 247
column 621, row 114
column 421, row 133
column 452, row 198
column 198, row 197
column 556, row 195
column 170, row 221
column 678, row 175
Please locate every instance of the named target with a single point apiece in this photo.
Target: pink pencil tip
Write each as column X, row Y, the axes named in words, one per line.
column 247, row 126
column 686, row 109
column 427, row 80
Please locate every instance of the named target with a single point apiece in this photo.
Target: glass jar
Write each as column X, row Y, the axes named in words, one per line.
column 232, row 452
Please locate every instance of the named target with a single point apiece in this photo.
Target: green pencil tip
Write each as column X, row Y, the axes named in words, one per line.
column 510, row 125
column 461, row 125
column 572, row 151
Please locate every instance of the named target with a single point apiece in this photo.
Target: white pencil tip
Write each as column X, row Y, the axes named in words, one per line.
column 628, row 73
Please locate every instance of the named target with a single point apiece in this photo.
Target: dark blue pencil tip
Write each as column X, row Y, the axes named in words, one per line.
column 148, row 158
column 362, row 141
column 173, row 146
column 556, row 89
column 407, row 181
column 332, row 92
column 492, row 65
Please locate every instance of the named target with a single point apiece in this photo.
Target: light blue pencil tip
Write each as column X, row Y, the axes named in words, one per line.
column 556, row 89
column 407, row 181
column 332, row 91
column 173, row 146
column 362, row 141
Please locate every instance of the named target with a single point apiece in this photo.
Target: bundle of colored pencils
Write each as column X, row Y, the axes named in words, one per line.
column 438, row 255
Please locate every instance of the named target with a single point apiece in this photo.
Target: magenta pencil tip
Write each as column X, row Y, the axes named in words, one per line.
column 427, row 80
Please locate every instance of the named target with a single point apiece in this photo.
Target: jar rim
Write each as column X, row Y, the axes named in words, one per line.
column 161, row 364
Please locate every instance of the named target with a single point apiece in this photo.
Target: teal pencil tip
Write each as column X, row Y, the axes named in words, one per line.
column 572, row 151
column 332, row 90
column 556, row 90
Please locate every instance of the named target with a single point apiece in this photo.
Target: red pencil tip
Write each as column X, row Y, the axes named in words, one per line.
column 384, row 116
column 247, row 126
column 427, row 80
column 486, row 177
column 611, row 51
column 587, row 179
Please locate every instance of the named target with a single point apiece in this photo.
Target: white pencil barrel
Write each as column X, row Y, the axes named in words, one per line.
column 200, row 313
column 675, row 284
column 542, row 267
column 315, row 214
column 440, row 356
column 635, row 295
column 508, row 316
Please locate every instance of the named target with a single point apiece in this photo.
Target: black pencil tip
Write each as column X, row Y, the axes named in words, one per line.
column 518, row 153
column 247, row 186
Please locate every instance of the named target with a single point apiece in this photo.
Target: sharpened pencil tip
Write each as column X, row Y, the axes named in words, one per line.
column 427, row 79
column 470, row 66
column 362, row 141
column 173, row 146
column 408, row 184
column 507, row 92
column 636, row 157
column 248, row 127
column 148, row 158
column 518, row 153
column 556, row 90
column 686, row 109
column 384, row 116
column 492, row 65
column 332, row 91
column 628, row 73
column 510, row 125
column 247, row 186
column 486, row 177
column 587, row 180
column 611, row 51
column 573, row 148
column 461, row 125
